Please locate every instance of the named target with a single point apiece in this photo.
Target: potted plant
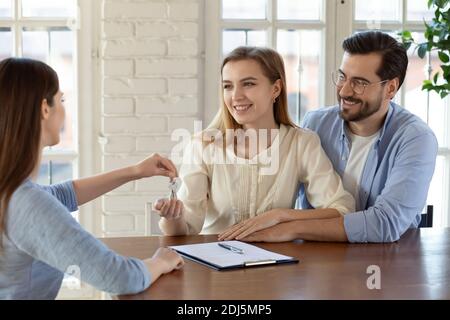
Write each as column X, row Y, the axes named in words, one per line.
column 437, row 38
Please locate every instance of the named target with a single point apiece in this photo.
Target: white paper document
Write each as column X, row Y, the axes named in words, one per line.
column 232, row 254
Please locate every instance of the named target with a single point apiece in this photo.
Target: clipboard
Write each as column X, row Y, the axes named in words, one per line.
column 217, row 257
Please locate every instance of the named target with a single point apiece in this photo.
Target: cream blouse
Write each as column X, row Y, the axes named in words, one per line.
column 217, row 194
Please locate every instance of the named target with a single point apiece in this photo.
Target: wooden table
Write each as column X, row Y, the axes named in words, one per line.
column 415, row 267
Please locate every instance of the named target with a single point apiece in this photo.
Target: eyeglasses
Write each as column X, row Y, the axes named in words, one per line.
column 358, row 86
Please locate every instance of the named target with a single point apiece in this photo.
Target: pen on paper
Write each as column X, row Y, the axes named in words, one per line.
column 231, row 248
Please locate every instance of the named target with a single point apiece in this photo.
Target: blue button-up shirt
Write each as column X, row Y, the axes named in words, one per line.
column 396, row 176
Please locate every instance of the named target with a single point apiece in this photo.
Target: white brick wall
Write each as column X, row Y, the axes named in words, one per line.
column 151, row 66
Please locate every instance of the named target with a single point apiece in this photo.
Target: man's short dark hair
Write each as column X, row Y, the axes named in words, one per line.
column 394, row 56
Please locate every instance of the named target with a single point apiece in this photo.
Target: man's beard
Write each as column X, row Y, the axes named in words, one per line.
column 366, row 109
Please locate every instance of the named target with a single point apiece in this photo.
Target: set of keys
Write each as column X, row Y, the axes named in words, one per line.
column 174, row 186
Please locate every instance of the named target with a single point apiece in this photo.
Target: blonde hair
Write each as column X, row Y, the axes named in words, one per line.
column 273, row 68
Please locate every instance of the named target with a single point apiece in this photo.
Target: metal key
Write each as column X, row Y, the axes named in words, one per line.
column 174, row 186
column 173, row 195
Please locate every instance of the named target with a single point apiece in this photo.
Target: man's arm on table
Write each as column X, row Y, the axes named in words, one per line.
column 315, row 230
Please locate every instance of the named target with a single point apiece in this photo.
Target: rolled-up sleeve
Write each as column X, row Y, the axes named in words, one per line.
column 65, row 193
column 403, row 197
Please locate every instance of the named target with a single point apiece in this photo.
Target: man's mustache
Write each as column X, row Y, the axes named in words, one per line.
column 350, row 99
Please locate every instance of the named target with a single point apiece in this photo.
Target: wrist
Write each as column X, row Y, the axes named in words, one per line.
column 154, row 267
column 134, row 172
column 281, row 215
column 297, row 229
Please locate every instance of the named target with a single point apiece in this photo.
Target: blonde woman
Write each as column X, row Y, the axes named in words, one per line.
column 232, row 188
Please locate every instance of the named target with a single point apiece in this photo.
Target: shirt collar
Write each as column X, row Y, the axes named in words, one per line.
column 387, row 120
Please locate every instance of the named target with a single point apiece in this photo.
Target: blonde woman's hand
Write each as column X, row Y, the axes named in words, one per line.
column 249, row 226
column 169, row 208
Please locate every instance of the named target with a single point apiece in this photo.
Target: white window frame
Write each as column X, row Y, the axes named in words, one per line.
column 338, row 25
column 88, row 40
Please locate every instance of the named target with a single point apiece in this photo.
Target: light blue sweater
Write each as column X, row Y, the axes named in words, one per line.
column 42, row 240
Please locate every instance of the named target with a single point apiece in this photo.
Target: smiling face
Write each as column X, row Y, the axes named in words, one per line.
column 53, row 120
column 249, row 95
column 358, row 107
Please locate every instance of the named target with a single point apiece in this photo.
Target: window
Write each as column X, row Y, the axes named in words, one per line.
column 309, row 34
column 295, row 28
column 42, row 30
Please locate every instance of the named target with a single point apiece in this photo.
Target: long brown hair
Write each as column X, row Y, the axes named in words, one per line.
column 273, row 68
column 24, row 84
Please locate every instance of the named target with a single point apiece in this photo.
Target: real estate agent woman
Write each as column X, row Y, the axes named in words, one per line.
column 39, row 237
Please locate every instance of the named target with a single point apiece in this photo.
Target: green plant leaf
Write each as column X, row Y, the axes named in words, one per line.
column 443, row 34
column 443, row 56
column 440, row 3
column 427, row 85
column 405, row 34
column 437, row 38
column 435, row 78
column 407, row 45
column 446, row 16
column 446, row 72
column 428, row 33
column 437, row 13
column 443, row 45
column 422, row 50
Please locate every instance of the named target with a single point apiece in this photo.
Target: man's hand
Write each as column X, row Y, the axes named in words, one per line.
column 311, row 229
